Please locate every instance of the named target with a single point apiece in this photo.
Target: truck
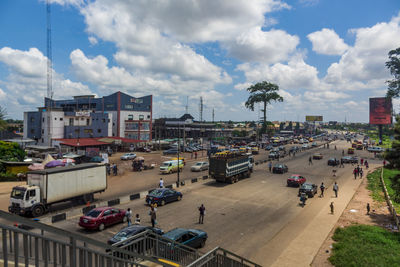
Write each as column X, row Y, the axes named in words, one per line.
column 46, row 187
column 229, row 167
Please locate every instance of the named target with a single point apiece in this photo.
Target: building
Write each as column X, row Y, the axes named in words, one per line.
column 115, row 115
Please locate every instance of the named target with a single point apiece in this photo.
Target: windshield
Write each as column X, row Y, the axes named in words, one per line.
column 156, row 193
column 165, row 164
column 306, row 186
column 294, row 177
column 18, row 193
column 199, row 163
column 93, row 213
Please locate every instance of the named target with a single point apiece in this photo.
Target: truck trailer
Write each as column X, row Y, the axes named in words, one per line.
column 229, row 167
column 50, row 186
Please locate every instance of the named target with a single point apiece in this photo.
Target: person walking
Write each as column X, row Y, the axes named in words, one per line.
column 195, row 155
column 128, row 215
column 384, row 163
column 161, row 183
column 332, row 208
column 335, row 189
column 355, row 173
column 341, row 164
column 361, row 173
column 361, row 161
column 153, row 216
column 343, row 152
column 366, row 164
column 137, row 219
column 322, row 188
column 368, row 208
column 115, row 169
column 202, row 211
column 270, row 166
column 310, row 161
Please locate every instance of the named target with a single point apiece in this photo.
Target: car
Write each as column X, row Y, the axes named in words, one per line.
column 190, row 237
column 294, row 149
column 200, row 166
column 295, row 180
column 375, row 149
column 128, row 156
column 305, row 146
column 99, row 218
column 314, row 144
column 349, row 159
column 130, row 231
column 308, row 188
column 273, row 155
column 280, row 168
column 171, row 151
column 317, row 156
column 333, row 162
column 281, row 148
column 268, row 147
column 161, row 196
column 143, row 149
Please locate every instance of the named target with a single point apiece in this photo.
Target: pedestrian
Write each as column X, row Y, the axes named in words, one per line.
column 161, row 184
column 355, row 173
column 191, row 154
column 310, row 161
column 128, row 215
column 332, row 208
column 270, row 166
column 115, row 169
column 334, row 172
column 153, row 216
column 202, row 211
column 343, row 152
column 341, row 164
column 294, row 153
column 327, row 145
column 366, row 164
column 322, row 187
column 361, row 173
column 384, row 163
column 368, row 208
column 361, row 161
column 137, row 219
column 195, row 155
column 335, row 189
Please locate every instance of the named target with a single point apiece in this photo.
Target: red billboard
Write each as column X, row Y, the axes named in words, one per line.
column 380, row 110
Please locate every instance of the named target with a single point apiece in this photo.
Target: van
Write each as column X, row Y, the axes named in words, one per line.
column 171, row 166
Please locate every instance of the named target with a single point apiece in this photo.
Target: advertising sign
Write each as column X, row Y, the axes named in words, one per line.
column 380, row 110
column 82, row 113
column 314, row 118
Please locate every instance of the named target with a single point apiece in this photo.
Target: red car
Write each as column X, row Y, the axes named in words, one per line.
column 296, row 180
column 99, row 218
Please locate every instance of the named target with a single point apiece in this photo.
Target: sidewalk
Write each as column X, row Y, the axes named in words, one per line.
column 299, row 241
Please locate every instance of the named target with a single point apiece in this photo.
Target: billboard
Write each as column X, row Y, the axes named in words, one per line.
column 314, row 118
column 380, row 110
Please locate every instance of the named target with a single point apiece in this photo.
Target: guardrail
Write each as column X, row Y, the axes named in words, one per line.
column 389, row 202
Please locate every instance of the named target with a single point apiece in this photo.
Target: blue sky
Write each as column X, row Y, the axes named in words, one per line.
column 327, row 57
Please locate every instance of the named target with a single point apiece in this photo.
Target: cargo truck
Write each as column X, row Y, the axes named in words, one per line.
column 50, row 186
column 229, row 167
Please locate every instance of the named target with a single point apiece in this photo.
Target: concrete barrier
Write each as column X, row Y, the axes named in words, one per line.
column 58, row 217
column 113, row 202
column 194, row 180
column 134, row 196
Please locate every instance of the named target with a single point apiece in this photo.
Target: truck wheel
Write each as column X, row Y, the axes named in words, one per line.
column 37, row 211
column 101, row 227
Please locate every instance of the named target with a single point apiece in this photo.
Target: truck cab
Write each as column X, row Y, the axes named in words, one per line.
column 24, row 198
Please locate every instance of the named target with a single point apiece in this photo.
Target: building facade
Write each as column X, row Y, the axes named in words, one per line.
column 115, row 115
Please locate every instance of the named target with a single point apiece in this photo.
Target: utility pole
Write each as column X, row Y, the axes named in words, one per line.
column 179, row 148
column 49, row 71
column 201, row 108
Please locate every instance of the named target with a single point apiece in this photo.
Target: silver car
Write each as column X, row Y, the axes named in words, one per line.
column 200, row 166
column 128, row 156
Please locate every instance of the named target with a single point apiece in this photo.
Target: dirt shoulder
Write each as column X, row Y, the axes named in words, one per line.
column 355, row 213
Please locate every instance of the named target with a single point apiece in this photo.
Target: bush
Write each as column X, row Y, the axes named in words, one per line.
column 7, row 177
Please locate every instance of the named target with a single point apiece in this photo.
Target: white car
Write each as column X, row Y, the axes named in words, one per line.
column 375, row 149
column 128, row 156
column 200, row 166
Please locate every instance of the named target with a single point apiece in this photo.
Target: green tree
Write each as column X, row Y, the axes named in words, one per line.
column 290, row 127
column 393, row 155
column 3, row 123
column 263, row 92
column 394, row 66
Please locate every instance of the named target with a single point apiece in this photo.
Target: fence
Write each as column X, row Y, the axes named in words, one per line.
column 389, row 202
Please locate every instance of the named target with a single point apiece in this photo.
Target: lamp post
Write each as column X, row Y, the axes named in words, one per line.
column 179, row 147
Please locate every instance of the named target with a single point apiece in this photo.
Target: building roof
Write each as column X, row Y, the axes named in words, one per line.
column 82, row 142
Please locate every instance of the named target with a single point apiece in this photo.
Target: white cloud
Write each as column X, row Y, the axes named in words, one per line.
column 93, row 40
column 327, row 42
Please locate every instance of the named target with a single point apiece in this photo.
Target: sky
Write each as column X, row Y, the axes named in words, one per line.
column 327, row 57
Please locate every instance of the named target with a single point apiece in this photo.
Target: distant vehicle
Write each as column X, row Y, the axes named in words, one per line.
column 314, row 144
column 294, row 149
column 349, row 159
column 295, row 180
column 255, row 150
column 280, row 168
column 161, row 196
column 309, row 189
column 187, row 149
column 333, row 162
column 143, row 149
column 375, row 149
column 318, row 156
column 273, row 155
column 128, row 156
column 171, row 151
column 130, row 231
column 99, row 218
column 199, row 166
column 281, row 148
column 171, row 166
column 268, row 147
column 305, row 146
column 190, row 237
column 350, row 150
column 230, row 167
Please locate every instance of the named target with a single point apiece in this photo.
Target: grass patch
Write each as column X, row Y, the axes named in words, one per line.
column 365, row 245
column 375, row 186
column 387, row 177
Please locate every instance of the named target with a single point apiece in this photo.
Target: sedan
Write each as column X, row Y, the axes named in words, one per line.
column 130, row 231
column 317, row 156
column 314, row 144
column 99, row 218
column 309, row 189
column 273, row 155
column 161, row 196
column 296, row 180
column 280, row 168
column 333, row 162
column 128, row 156
column 200, row 166
column 190, row 237
column 349, row 159
column 305, row 146
column 268, row 147
column 171, row 151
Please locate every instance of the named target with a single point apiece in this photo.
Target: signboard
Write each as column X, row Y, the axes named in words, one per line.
column 380, row 110
column 136, row 100
column 82, row 114
column 105, row 157
column 314, row 118
column 92, row 151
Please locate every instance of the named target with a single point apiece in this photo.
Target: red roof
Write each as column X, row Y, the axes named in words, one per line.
column 81, row 142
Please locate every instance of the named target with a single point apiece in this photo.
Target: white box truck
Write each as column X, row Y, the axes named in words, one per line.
column 50, row 186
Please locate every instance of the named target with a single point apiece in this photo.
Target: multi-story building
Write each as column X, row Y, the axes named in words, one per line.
column 115, row 115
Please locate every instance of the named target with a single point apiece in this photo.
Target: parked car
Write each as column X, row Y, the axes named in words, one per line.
column 171, row 151
column 143, row 149
column 295, row 180
column 349, row 159
column 314, row 144
column 294, row 149
column 309, row 189
column 99, row 218
column 375, row 149
column 161, row 196
column 268, row 147
column 190, row 237
column 130, row 231
column 317, row 156
column 305, row 146
column 280, row 168
column 199, row 166
column 333, row 162
column 128, row 156
column 273, row 155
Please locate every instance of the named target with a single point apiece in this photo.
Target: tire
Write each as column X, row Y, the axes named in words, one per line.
column 101, row 227
column 179, row 198
column 37, row 211
column 162, row 203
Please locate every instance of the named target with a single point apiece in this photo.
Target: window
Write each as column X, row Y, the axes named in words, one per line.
column 110, row 105
column 61, row 119
column 76, row 118
column 103, row 120
column 55, row 119
column 82, row 118
column 32, row 119
column 88, row 131
column 99, row 130
column 141, row 117
column 32, row 193
column 128, row 106
column 71, row 121
column 42, row 131
column 107, row 212
column 144, row 126
column 43, row 119
column 148, row 116
column 87, row 121
column 77, row 131
column 130, row 117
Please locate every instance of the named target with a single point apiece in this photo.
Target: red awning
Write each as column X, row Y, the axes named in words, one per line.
column 81, row 142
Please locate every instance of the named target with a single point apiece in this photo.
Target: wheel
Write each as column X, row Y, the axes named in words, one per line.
column 162, row 203
column 124, row 219
column 101, row 227
column 179, row 198
column 37, row 211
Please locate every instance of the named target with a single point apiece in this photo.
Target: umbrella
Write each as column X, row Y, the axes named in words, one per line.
column 139, row 158
column 97, row 159
column 54, row 163
column 36, row 166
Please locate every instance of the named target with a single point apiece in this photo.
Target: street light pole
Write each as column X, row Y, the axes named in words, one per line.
column 179, row 147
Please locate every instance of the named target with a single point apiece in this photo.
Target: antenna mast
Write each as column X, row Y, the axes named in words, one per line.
column 187, row 105
column 49, row 54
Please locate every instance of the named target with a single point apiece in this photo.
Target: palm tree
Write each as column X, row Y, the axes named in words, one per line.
column 263, row 92
column 3, row 123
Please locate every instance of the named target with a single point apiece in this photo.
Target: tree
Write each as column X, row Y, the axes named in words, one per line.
column 263, row 92
column 394, row 66
column 3, row 123
column 393, row 157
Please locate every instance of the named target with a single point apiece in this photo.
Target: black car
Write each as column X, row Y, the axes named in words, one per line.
column 294, row 149
column 273, row 155
column 333, row 162
column 171, row 151
column 160, row 196
column 309, row 189
column 268, row 147
column 349, row 159
column 132, row 230
column 280, row 168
